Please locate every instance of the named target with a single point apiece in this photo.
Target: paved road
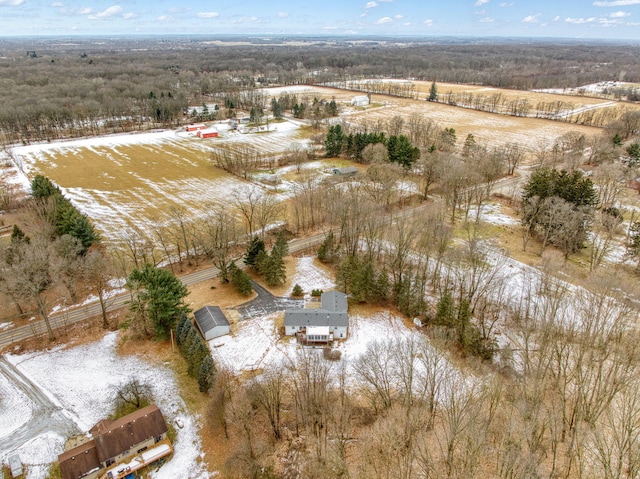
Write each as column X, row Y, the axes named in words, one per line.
column 74, row 315
column 46, row 416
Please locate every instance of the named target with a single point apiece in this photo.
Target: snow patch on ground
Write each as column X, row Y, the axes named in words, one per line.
column 81, row 381
column 490, row 213
column 310, row 276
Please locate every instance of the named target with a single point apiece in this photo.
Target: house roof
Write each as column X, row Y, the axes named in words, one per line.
column 318, row 330
column 113, row 438
column 346, row 170
column 315, row 317
column 334, row 301
column 333, row 312
column 209, row 317
column 76, row 462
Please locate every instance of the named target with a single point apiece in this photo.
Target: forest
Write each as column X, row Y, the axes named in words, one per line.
column 89, row 87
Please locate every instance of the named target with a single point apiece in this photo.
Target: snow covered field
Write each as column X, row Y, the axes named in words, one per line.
column 81, row 382
column 134, row 179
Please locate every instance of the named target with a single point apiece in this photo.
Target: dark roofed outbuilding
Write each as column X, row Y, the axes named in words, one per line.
column 212, row 322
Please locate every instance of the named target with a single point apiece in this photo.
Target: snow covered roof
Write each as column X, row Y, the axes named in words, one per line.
column 318, row 331
column 209, row 317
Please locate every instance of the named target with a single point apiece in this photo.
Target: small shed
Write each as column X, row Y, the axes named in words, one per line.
column 15, row 464
column 346, row 171
column 362, row 100
column 208, row 133
column 196, row 127
column 212, row 322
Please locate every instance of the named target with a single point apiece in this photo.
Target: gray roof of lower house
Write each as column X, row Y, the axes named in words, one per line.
column 209, row 317
column 315, row 317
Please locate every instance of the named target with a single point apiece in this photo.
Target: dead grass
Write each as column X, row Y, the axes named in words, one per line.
column 215, row 293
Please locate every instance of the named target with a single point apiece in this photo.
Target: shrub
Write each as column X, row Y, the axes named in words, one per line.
column 297, row 291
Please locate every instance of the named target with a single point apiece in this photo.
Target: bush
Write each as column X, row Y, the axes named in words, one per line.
column 297, row 291
column 316, row 293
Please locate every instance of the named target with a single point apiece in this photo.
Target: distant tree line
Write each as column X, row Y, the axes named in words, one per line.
column 68, row 90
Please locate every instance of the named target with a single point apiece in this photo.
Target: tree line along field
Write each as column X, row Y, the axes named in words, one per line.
column 135, row 180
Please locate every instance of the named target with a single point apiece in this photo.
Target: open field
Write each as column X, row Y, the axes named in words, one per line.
column 135, row 180
column 487, row 128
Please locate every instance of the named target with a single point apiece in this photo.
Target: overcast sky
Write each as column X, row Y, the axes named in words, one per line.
column 612, row 19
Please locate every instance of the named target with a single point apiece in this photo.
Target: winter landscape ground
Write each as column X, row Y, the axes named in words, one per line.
column 133, row 180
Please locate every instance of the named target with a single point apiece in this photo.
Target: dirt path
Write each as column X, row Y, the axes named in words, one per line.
column 46, row 416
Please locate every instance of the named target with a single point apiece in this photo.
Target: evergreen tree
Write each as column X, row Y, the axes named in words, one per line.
column 181, row 328
column 345, row 273
column 433, row 92
column 42, row 187
column 206, row 374
column 192, row 336
column 327, row 250
column 240, row 280
column 382, row 287
column 275, row 272
column 401, row 151
column 297, row 291
column 262, row 262
column 276, row 108
column 633, row 150
column 335, row 140
column 445, row 310
column 162, row 296
column 253, row 251
column 281, row 245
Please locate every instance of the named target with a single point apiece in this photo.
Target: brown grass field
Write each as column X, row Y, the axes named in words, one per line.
column 136, row 179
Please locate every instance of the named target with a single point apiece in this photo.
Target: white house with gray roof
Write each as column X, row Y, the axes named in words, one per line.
column 322, row 324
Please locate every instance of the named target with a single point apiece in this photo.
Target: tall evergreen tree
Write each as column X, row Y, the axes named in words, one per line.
column 335, row 141
column 161, row 295
column 240, row 280
column 253, row 250
column 433, row 92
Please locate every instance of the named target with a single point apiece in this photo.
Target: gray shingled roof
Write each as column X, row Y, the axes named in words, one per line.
column 315, row 317
column 209, row 317
column 332, row 313
column 334, row 301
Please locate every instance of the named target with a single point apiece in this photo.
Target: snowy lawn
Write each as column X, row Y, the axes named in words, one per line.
column 81, row 382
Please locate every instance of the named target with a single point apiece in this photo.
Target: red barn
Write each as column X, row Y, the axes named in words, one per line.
column 196, row 127
column 208, row 133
